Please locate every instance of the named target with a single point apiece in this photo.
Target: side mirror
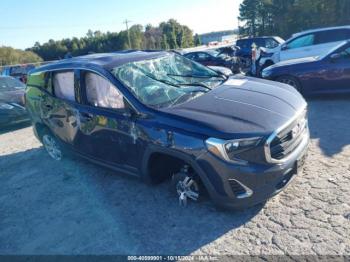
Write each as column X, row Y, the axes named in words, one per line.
column 284, row 47
column 335, row 57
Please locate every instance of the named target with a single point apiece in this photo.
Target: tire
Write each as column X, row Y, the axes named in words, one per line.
column 266, row 65
column 52, row 146
column 189, row 186
column 290, row 80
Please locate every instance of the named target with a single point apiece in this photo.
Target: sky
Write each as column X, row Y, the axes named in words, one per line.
column 24, row 22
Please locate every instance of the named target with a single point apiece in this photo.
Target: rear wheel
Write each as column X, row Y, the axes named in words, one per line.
column 52, row 146
column 290, row 80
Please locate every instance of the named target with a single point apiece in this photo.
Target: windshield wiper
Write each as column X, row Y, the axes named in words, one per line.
column 222, row 76
column 194, row 76
column 156, row 79
column 195, row 84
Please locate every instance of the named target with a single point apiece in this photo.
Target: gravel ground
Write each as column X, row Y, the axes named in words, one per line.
column 75, row 207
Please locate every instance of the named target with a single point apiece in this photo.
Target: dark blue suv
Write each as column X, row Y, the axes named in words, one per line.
column 159, row 115
column 245, row 44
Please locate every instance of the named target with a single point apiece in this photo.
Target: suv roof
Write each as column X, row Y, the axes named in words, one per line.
column 105, row 60
column 258, row 37
column 321, row 29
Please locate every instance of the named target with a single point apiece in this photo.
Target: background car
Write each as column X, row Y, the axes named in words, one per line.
column 12, row 109
column 329, row 73
column 305, row 44
column 12, row 114
column 244, row 49
column 18, row 71
column 221, row 70
column 213, row 58
column 228, row 50
column 11, row 90
column 245, row 44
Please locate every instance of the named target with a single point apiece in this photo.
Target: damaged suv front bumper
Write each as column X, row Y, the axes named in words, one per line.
column 237, row 186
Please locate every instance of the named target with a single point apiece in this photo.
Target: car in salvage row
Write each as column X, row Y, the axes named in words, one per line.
column 324, row 74
column 308, row 43
column 160, row 116
column 213, row 58
column 12, row 110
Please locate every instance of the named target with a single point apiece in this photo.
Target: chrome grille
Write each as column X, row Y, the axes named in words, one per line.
column 283, row 143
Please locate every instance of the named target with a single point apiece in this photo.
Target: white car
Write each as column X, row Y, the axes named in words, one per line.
column 305, row 44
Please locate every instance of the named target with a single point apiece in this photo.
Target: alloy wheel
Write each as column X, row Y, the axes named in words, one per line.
column 187, row 189
column 52, row 147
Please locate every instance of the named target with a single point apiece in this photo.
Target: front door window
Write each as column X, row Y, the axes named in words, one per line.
column 102, row 93
column 302, row 41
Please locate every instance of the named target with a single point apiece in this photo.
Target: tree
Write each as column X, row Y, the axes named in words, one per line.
column 9, row 55
column 285, row 17
column 168, row 35
column 197, row 40
column 136, row 36
column 164, row 43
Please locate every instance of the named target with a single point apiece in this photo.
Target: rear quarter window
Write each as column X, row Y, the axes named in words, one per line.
column 40, row 80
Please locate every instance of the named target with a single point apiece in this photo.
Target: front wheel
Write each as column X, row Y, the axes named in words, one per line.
column 289, row 80
column 52, row 146
column 187, row 187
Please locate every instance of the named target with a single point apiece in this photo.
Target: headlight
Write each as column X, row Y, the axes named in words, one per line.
column 6, row 106
column 228, row 149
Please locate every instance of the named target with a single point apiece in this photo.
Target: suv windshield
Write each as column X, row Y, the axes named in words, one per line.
column 168, row 80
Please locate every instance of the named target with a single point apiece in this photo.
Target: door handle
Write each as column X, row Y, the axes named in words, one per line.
column 86, row 117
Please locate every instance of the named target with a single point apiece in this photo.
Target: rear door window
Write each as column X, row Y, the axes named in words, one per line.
column 332, row 36
column 100, row 92
column 63, row 83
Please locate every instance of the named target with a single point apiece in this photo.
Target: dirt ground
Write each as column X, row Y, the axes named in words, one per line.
column 75, row 207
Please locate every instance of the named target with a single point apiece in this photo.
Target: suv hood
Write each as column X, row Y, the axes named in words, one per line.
column 242, row 106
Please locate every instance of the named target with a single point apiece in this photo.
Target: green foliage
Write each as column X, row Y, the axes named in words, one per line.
column 168, row 35
column 11, row 56
column 197, row 40
column 285, row 17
